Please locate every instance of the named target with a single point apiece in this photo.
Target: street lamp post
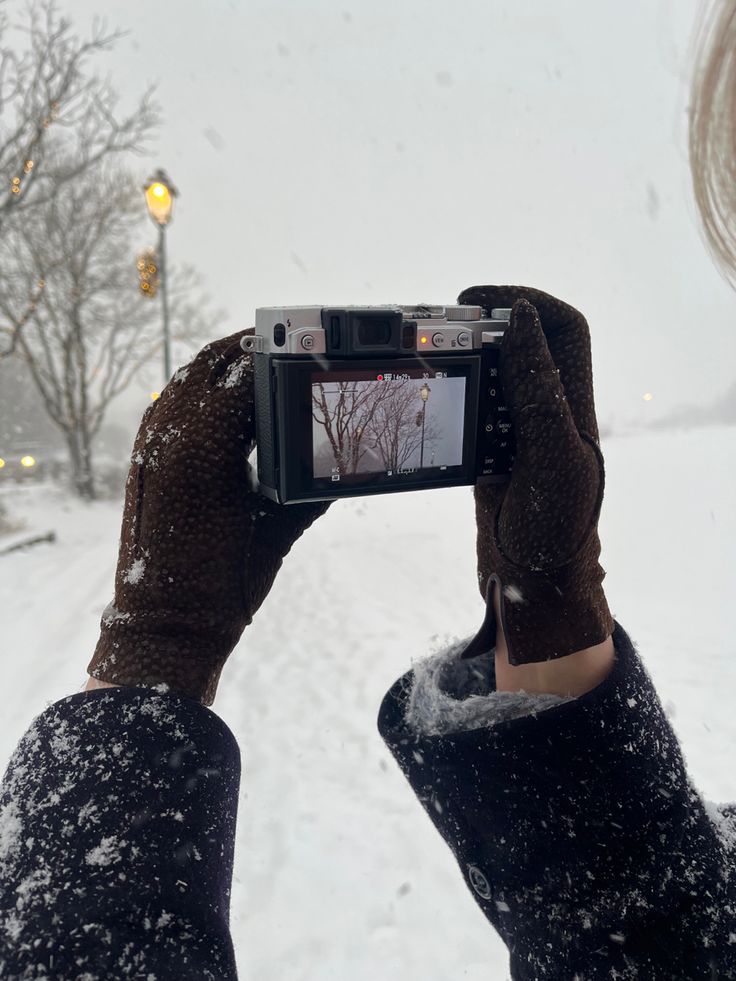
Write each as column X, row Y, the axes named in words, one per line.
column 160, row 194
column 424, row 392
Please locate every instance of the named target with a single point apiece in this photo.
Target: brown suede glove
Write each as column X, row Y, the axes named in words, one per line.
column 537, row 536
column 199, row 548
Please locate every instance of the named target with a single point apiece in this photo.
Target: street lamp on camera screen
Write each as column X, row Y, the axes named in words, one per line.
column 424, row 393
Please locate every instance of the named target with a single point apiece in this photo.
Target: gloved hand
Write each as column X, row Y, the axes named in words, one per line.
column 199, row 548
column 537, row 534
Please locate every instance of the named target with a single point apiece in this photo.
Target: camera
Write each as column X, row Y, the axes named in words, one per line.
column 353, row 401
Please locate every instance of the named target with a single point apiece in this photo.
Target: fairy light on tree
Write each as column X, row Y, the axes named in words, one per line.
column 148, row 281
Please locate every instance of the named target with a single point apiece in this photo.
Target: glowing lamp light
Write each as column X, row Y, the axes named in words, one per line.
column 160, row 194
column 647, row 396
column 160, row 203
column 28, row 461
column 424, row 392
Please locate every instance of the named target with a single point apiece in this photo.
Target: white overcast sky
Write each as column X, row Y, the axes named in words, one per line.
column 397, row 151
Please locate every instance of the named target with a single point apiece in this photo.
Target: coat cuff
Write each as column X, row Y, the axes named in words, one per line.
column 577, row 830
column 117, row 828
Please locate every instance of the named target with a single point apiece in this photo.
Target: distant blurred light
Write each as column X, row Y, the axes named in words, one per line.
column 155, row 395
column 148, row 281
column 647, row 396
column 28, row 461
column 2, row 463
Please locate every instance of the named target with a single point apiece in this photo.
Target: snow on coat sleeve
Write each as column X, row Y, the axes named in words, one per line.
column 117, row 824
column 579, row 833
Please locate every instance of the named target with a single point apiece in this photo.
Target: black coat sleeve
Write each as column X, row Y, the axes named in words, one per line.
column 580, row 835
column 117, row 825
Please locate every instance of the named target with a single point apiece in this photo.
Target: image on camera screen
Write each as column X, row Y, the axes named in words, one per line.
column 386, row 423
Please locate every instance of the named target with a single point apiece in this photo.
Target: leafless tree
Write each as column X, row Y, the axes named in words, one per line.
column 396, row 428
column 58, row 122
column 363, row 416
column 91, row 329
column 346, row 412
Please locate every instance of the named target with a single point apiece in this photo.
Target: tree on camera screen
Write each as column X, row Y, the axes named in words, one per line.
column 386, row 423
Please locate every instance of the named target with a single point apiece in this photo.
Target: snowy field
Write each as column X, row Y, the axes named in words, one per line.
column 339, row 874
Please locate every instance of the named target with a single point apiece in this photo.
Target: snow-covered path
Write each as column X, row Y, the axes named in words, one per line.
column 339, row 875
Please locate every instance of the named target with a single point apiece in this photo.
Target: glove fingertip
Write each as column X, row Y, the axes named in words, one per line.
column 524, row 315
column 524, row 344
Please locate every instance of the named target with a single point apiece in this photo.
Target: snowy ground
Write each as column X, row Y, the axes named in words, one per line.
column 339, row 875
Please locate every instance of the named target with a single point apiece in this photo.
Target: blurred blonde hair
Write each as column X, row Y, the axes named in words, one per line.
column 712, row 131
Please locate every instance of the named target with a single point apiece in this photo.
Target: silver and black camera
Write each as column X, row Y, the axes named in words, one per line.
column 370, row 400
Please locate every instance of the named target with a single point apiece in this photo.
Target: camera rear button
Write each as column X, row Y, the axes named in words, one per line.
column 308, row 342
column 463, row 338
column 438, row 339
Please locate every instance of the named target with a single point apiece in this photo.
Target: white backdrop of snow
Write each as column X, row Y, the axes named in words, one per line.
column 339, row 874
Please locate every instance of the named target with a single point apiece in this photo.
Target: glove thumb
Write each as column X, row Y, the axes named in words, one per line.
column 528, row 372
column 547, row 439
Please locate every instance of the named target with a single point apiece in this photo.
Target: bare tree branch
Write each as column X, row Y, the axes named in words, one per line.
column 59, row 121
column 92, row 329
column 71, row 224
column 49, row 91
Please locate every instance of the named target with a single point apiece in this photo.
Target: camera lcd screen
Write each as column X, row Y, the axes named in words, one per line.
column 392, row 425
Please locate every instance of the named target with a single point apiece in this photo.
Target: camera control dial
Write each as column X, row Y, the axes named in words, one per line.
column 463, row 313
